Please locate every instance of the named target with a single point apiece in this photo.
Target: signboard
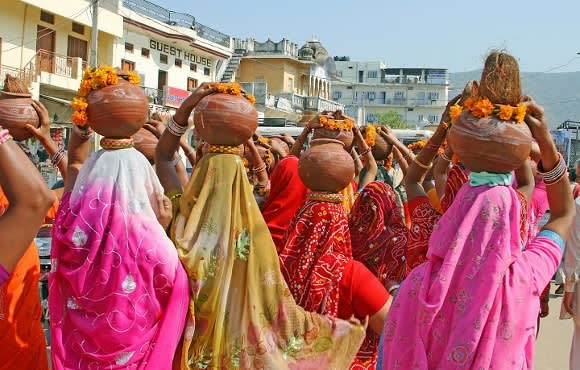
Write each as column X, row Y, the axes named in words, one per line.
column 173, row 97
column 181, row 54
column 563, row 141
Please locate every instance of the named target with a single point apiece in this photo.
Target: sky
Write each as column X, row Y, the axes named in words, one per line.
column 450, row 34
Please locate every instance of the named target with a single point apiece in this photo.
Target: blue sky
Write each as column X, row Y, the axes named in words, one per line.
column 449, row 34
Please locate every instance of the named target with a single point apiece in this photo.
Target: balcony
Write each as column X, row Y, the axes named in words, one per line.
column 57, row 70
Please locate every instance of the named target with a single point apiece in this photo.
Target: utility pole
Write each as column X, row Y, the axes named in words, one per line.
column 94, row 34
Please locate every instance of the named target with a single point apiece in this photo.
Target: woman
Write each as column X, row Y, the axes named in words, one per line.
column 21, row 335
column 474, row 303
column 241, row 314
column 117, row 292
column 287, row 194
column 379, row 241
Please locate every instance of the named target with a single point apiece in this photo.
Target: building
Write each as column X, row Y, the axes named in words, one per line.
column 418, row 95
column 171, row 51
column 290, row 83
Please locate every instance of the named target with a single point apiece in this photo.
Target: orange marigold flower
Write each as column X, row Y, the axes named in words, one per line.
column 371, row 135
column 469, row 103
column 79, row 104
column 505, row 112
column 417, row 145
column 455, row 111
column 79, row 118
column 486, row 107
column 251, row 98
column 134, row 78
column 520, row 113
column 112, row 79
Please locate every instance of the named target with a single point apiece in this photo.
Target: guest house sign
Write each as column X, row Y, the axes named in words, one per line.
column 181, row 54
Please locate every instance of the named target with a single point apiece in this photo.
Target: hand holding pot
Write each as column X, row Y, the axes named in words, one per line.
column 445, row 116
column 41, row 133
column 184, row 111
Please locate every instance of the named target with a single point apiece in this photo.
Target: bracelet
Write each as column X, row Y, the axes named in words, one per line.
column 365, row 152
column 550, row 177
column 84, row 134
column 57, row 157
column 260, row 168
column 420, row 164
column 445, row 157
column 393, row 288
column 430, row 145
column 564, row 174
column 174, row 128
column 5, row 136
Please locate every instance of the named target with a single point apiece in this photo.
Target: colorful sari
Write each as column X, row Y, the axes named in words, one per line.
column 474, row 303
column 21, row 335
column 241, row 313
column 287, row 195
column 456, row 177
column 379, row 240
column 117, row 292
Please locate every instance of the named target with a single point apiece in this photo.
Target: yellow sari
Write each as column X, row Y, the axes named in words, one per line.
column 241, row 313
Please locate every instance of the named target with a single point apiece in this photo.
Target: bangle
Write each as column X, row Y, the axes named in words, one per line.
column 431, row 145
column 4, row 136
column 393, row 288
column 260, row 168
column 365, row 152
column 444, row 157
column 422, row 165
column 174, row 128
column 555, row 174
column 57, row 157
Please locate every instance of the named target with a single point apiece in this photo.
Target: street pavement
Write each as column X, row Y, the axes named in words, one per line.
column 553, row 345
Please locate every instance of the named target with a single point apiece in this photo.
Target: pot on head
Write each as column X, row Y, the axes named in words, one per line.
column 326, row 166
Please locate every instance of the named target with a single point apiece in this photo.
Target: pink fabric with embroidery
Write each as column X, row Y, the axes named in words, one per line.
column 474, row 303
column 118, row 294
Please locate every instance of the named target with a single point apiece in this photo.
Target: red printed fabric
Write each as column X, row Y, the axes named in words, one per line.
column 287, row 195
column 423, row 220
column 315, row 255
column 456, row 177
column 378, row 233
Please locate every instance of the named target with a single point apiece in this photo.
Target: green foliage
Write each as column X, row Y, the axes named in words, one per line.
column 392, row 119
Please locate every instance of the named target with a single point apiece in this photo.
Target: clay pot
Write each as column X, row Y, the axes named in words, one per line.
column 346, row 137
column 488, row 144
column 381, row 149
column 117, row 111
column 326, row 166
column 223, row 119
column 16, row 111
column 146, row 142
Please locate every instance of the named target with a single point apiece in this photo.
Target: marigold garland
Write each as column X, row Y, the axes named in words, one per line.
column 417, row 146
column 345, row 124
column 95, row 79
column 371, row 135
column 483, row 107
column 234, row 88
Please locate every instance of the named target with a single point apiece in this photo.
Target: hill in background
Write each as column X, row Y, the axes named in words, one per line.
column 559, row 93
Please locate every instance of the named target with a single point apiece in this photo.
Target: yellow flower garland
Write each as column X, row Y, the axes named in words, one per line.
column 345, row 124
column 482, row 107
column 95, row 79
column 235, row 89
column 371, row 135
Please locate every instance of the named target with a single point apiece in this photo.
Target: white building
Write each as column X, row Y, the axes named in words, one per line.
column 418, row 95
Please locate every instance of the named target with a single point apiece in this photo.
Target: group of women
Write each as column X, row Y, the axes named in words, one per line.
column 149, row 273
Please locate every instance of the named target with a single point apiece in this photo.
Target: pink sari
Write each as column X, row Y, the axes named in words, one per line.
column 118, row 294
column 474, row 303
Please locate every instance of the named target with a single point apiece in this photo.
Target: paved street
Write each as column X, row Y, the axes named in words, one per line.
column 553, row 346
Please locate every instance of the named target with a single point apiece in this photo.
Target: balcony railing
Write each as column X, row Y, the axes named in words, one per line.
column 60, row 65
column 159, row 13
column 320, row 104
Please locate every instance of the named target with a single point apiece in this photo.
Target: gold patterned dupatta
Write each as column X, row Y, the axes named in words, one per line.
column 241, row 313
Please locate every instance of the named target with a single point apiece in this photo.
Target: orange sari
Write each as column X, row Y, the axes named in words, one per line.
column 23, row 344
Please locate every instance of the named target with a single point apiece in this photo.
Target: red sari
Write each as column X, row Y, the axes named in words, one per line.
column 379, row 240
column 456, row 177
column 287, row 194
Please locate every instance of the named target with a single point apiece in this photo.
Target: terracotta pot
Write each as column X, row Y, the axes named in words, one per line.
column 223, row 119
column 488, row 144
column 381, row 149
column 146, row 142
column 118, row 111
column 16, row 111
column 326, row 166
column 346, row 137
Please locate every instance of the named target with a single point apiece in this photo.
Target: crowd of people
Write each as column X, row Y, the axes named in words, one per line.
column 420, row 262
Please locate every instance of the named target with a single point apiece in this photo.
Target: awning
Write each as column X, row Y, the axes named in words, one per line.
column 59, row 109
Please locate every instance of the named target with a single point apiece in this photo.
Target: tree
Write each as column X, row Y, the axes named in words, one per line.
column 392, row 119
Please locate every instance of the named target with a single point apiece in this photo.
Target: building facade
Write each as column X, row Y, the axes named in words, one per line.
column 290, row 83
column 366, row 89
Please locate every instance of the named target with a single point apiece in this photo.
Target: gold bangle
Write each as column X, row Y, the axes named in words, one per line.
column 422, row 165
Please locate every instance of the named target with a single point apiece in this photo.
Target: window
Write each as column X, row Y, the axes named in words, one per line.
column 178, row 62
column 145, row 52
column 337, row 95
column 349, row 87
column 399, row 94
column 339, row 74
column 372, row 74
column 78, row 28
column 206, row 71
column 420, row 118
column 371, row 118
column 191, row 84
column 433, row 118
column 127, row 65
column 46, row 17
column 382, row 97
column 129, row 47
column 360, row 76
column 421, row 97
column 77, row 48
column 371, row 95
column 290, row 84
column 193, row 67
column 433, row 96
column 163, row 58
